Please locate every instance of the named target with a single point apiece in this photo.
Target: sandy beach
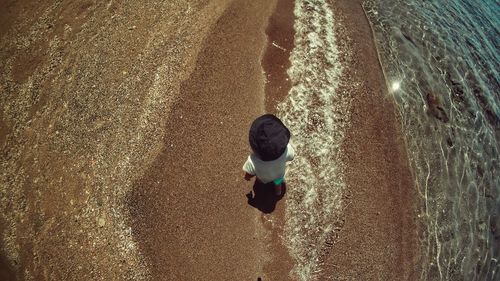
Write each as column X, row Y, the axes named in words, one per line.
column 190, row 208
column 124, row 127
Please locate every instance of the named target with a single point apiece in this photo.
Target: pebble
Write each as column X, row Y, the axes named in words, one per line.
column 101, row 222
column 495, row 227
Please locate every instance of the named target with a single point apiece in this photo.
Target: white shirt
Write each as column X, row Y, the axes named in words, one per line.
column 268, row 171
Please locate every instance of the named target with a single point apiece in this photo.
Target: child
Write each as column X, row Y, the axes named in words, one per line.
column 269, row 139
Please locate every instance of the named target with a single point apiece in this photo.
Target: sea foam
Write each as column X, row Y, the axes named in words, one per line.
column 316, row 114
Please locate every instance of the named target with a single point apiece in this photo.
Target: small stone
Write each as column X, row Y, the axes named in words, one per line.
column 101, row 222
column 495, row 226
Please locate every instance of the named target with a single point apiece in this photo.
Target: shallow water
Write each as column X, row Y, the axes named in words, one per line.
column 441, row 64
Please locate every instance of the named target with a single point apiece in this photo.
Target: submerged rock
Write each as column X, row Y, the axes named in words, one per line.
column 436, row 109
column 495, row 227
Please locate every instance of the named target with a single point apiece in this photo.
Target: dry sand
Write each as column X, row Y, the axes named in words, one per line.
column 190, row 209
column 86, row 88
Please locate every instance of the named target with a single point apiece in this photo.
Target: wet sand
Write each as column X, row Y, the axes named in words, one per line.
column 275, row 63
column 378, row 238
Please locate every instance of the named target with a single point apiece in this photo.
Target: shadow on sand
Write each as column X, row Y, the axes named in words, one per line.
column 7, row 273
column 263, row 196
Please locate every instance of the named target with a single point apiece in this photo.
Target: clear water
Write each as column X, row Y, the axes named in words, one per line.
column 441, row 61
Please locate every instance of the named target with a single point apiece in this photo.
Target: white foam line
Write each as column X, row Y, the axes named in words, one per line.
column 317, row 116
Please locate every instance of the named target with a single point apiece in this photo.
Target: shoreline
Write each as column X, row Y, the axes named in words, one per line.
column 275, row 63
column 378, row 240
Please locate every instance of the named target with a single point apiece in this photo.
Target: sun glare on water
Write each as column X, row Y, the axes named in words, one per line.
column 395, row 86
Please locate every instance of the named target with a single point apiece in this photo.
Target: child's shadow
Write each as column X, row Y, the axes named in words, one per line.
column 264, row 197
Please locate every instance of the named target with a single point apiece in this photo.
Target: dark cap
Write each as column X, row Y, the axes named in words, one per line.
column 268, row 137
